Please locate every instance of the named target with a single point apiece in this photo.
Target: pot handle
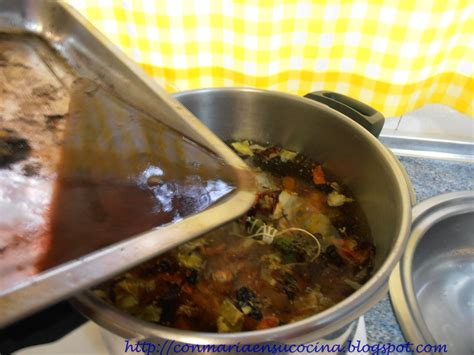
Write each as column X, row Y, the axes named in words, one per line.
column 363, row 114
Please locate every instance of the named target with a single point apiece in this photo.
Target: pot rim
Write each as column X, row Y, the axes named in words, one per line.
column 321, row 323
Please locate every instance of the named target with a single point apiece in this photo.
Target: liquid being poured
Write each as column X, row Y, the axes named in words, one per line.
column 122, row 173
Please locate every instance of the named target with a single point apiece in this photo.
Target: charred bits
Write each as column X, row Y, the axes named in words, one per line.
column 12, row 147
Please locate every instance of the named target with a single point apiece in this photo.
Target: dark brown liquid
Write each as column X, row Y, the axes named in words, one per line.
column 123, row 173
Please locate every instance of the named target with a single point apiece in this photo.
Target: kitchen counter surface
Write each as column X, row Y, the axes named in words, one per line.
column 429, row 178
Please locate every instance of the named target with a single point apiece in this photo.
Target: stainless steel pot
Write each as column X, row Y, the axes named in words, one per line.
column 346, row 149
column 432, row 287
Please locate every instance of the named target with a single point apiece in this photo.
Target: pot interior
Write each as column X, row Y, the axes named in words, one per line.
column 443, row 281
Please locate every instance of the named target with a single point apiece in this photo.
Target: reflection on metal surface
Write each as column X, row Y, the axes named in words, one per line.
column 23, row 200
column 429, row 148
column 99, row 198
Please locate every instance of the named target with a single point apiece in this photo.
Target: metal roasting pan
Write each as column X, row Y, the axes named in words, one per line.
column 68, row 46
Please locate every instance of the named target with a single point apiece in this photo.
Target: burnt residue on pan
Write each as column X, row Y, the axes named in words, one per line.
column 81, row 169
column 13, row 148
column 34, row 96
column 31, row 92
column 122, row 173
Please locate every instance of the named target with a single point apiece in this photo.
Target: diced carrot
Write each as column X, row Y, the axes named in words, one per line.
column 318, row 175
column 268, row 322
column 289, row 183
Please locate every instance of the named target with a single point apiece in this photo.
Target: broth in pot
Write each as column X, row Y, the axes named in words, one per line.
column 304, row 246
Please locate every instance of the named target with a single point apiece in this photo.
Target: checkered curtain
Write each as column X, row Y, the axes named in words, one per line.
column 393, row 55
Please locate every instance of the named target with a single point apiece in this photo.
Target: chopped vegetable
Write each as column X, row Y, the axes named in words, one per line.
column 256, row 148
column 188, row 255
column 190, row 260
column 125, row 301
column 318, row 175
column 128, row 291
column 286, row 155
column 187, row 310
column 230, row 318
column 266, row 182
column 316, row 223
column 243, row 148
column 291, row 249
column 335, row 199
column 150, row 313
column 134, row 286
column 246, row 309
column 267, row 201
column 270, row 153
column 287, row 202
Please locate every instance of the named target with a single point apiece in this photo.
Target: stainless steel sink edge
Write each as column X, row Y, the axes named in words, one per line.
column 429, row 147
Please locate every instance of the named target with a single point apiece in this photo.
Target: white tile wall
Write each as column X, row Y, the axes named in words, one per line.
column 432, row 121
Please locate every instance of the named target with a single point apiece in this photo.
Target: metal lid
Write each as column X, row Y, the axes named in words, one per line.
column 432, row 287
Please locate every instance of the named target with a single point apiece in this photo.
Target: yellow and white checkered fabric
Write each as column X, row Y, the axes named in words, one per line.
column 393, row 55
